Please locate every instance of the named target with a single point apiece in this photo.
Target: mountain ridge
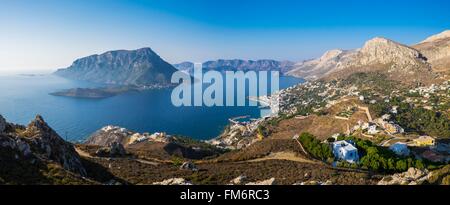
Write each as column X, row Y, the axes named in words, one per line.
column 223, row 65
column 399, row 61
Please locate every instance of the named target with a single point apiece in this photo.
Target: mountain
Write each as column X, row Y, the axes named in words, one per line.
column 437, row 50
column 187, row 67
column 314, row 69
column 248, row 65
column 397, row 61
column 239, row 65
column 121, row 67
column 36, row 154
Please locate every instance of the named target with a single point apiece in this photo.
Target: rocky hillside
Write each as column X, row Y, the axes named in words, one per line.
column 397, row 61
column 437, row 50
column 156, row 145
column 36, row 154
column 121, row 67
column 316, row 68
column 239, row 65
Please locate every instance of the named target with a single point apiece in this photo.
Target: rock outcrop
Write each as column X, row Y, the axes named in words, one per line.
column 238, row 180
column 49, row 145
column 411, row 177
column 39, row 143
column 174, row 181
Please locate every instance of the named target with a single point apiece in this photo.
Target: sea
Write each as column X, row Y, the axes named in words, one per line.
column 22, row 97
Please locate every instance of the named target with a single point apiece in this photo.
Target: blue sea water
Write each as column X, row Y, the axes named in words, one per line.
column 23, row 97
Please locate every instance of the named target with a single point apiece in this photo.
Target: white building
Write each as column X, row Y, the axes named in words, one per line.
column 346, row 151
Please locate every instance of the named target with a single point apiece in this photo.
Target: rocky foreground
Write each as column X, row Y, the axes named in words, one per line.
column 35, row 154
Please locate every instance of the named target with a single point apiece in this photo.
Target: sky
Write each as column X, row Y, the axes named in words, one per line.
column 44, row 35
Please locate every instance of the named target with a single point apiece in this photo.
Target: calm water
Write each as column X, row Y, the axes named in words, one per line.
column 22, row 97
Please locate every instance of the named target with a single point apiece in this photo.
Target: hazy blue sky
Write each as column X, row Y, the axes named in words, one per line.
column 49, row 34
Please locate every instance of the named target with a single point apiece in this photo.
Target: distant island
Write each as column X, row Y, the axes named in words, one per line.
column 105, row 92
column 94, row 93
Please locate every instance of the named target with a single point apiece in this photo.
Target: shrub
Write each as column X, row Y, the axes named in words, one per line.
column 315, row 147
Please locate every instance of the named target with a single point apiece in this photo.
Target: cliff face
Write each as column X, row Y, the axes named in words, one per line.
column 136, row 67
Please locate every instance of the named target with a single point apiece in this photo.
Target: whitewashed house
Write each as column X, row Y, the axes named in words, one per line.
column 400, row 149
column 344, row 150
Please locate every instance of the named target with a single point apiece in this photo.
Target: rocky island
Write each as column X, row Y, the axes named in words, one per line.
column 141, row 67
column 120, row 71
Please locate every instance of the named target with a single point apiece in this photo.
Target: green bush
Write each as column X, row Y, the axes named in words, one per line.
column 315, row 147
column 381, row 159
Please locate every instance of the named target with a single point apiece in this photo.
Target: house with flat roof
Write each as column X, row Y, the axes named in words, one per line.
column 424, row 141
column 346, row 151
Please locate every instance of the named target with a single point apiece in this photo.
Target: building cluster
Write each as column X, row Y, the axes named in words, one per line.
column 155, row 137
column 433, row 97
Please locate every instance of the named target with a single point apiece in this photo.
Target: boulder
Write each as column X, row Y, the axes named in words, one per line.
column 238, row 180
